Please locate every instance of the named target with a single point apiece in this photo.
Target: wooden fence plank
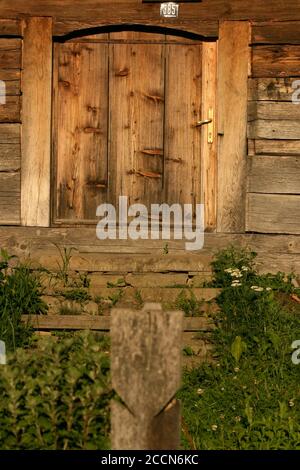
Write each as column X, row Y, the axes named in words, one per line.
column 276, row 61
column 9, row 208
column 273, row 213
column 36, row 114
column 269, row 174
column 9, row 182
column 233, row 66
column 274, row 129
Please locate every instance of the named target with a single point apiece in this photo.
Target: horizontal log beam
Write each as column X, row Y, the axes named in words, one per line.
column 134, row 10
column 98, row 323
column 277, row 175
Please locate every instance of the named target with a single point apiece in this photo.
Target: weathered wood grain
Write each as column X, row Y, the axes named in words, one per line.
column 271, row 89
column 273, row 110
column 277, row 147
column 9, row 208
column 150, row 340
column 10, row 182
column 276, row 61
column 10, row 53
column 273, row 213
column 9, row 198
column 12, row 87
column 136, row 122
column 278, row 175
column 36, row 115
column 274, row 129
column 281, row 32
column 233, row 62
column 182, row 138
column 10, row 157
column 10, row 27
column 92, row 322
column 205, row 29
column 10, row 133
column 80, row 134
column 209, row 161
column 11, row 110
column 206, row 10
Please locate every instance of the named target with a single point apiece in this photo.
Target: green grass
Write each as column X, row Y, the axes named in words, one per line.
column 249, row 398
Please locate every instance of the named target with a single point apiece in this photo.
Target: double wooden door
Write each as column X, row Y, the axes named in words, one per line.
column 125, row 112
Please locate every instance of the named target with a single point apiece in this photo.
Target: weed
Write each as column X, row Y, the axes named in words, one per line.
column 20, row 294
column 188, row 302
column 250, row 395
column 79, row 295
column 165, row 249
column 138, row 298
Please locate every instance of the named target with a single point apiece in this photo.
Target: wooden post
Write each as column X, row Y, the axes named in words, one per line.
column 233, row 68
column 36, row 120
column 146, row 373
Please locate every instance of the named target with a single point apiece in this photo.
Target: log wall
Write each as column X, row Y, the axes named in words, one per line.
column 10, row 127
column 273, row 186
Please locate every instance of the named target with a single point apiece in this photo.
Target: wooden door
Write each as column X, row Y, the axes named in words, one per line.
column 125, row 109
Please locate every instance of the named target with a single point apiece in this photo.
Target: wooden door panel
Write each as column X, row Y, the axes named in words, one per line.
column 81, row 129
column 136, row 122
column 182, row 111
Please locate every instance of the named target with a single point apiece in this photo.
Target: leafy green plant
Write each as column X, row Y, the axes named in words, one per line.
column 250, row 397
column 56, row 397
column 79, row 295
column 188, row 302
column 20, row 294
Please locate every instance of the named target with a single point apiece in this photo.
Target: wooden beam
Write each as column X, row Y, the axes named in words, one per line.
column 274, row 129
column 36, row 132
column 273, row 213
column 276, row 61
column 277, row 175
column 271, row 89
column 206, row 10
column 233, row 64
column 94, row 322
column 273, row 110
column 277, row 147
column 10, row 53
column 282, row 32
column 10, row 27
column 208, row 147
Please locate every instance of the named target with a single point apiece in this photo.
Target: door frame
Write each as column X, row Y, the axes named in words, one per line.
column 208, row 153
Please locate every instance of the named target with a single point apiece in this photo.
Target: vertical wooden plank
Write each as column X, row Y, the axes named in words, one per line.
column 209, row 149
column 36, row 118
column 182, row 111
column 136, row 122
column 81, row 107
column 233, row 63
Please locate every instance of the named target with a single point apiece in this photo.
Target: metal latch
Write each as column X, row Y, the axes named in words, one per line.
column 210, row 125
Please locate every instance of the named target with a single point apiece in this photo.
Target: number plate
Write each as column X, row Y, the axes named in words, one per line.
column 169, row 10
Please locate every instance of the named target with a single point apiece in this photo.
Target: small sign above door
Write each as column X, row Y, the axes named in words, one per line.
column 169, row 10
